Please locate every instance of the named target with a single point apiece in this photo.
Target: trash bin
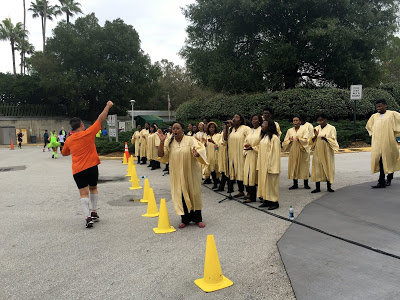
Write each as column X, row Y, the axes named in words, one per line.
column 33, row 139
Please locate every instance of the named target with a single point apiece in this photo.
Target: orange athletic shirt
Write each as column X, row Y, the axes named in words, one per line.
column 82, row 148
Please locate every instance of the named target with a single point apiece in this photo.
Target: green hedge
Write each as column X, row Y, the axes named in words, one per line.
column 334, row 102
column 104, row 146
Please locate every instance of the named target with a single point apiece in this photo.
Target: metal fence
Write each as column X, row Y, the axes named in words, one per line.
column 28, row 110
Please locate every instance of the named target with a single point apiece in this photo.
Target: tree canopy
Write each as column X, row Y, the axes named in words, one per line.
column 257, row 45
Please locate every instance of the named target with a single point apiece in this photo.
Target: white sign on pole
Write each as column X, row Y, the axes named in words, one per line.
column 111, row 120
column 112, row 132
column 356, row 92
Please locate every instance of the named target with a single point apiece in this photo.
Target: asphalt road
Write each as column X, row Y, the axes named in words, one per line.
column 47, row 253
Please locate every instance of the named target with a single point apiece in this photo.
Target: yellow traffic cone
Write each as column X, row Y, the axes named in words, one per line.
column 164, row 226
column 134, row 179
column 213, row 279
column 124, row 161
column 145, row 198
column 129, row 170
column 152, row 210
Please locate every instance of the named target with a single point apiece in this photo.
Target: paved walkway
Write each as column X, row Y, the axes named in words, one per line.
column 349, row 247
column 46, row 252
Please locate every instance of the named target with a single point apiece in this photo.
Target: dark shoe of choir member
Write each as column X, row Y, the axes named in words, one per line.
column 207, row 181
column 166, row 169
column 317, row 188
column 253, row 194
column 329, row 187
column 270, row 205
column 222, row 183
column 156, row 165
column 379, row 186
column 306, row 186
column 295, row 185
column 216, row 181
column 144, row 161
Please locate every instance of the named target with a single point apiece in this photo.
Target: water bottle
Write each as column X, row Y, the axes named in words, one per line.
column 291, row 213
column 143, row 176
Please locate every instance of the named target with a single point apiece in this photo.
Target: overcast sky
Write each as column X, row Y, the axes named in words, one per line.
column 160, row 24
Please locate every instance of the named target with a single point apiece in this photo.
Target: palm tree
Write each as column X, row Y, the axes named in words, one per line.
column 42, row 9
column 70, row 8
column 23, row 39
column 12, row 33
column 24, row 47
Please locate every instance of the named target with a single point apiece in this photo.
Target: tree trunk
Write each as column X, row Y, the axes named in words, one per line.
column 290, row 77
column 13, row 58
column 67, row 18
column 23, row 43
column 44, row 24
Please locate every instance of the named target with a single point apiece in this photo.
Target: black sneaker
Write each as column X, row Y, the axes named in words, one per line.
column 95, row 216
column 52, row 156
column 89, row 222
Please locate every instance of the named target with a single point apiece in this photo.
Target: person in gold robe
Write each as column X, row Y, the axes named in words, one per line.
column 143, row 143
column 269, row 165
column 190, row 128
column 136, row 141
column 297, row 140
column 236, row 137
column 308, row 126
column 185, row 156
column 153, row 141
column 324, row 144
column 223, row 156
column 384, row 127
column 211, row 145
column 267, row 115
column 251, row 144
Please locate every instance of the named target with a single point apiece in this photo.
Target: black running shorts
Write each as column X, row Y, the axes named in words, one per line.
column 87, row 177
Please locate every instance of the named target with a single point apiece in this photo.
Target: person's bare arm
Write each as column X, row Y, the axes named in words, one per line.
column 160, row 149
column 102, row 117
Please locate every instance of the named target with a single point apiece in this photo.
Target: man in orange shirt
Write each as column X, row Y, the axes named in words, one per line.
column 84, row 162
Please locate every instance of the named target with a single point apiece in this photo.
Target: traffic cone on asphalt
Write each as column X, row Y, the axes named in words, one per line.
column 12, row 145
column 213, row 279
column 134, row 179
column 126, row 155
column 145, row 198
column 129, row 169
column 152, row 210
column 164, row 226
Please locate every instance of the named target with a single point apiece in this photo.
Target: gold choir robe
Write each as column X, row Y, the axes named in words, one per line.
column 384, row 130
column 136, row 141
column 269, row 167
column 299, row 154
column 143, row 142
column 309, row 127
column 323, row 163
column 200, row 136
column 222, row 155
column 212, row 155
column 153, row 141
column 278, row 129
column 185, row 172
column 189, row 133
column 250, row 161
column 235, row 150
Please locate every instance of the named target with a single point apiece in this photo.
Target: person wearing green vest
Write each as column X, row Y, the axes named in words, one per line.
column 54, row 144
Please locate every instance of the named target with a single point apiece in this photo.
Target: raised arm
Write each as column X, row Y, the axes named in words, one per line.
column 102, row 117
column 161, row 145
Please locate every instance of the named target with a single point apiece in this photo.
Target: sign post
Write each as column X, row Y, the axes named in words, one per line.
column 112, row 124
column 355, row 94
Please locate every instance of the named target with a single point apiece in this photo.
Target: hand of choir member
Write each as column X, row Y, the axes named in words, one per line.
column 324, row 138
column 291, row 139
column 248, row 147
column 315, row 134
column 195, row 153
column 211, row 141
column 161, row 135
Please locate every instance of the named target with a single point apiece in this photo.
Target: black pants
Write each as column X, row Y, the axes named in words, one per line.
column 253, row 192
column 61, row 146
column 144, row 160
column 382, row 174
column 239, row 183
column 138, row 159
column 192, row 216
column 45, row 143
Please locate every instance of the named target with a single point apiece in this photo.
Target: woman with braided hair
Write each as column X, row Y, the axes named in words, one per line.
column 185, row 156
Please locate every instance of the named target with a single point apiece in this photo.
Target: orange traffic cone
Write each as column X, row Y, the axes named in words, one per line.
column 126, row 155
column 145, row 198
column 12, row 145
column 164, row 226
column 213, row 279
column 152, row 210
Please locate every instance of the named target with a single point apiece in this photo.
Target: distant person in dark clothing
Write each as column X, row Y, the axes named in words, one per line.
column 46, row 139
column 20, row 135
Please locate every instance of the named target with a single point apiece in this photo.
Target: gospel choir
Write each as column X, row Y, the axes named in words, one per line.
column 250, row 156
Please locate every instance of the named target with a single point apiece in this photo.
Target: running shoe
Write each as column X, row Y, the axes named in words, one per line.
column 89, row 222
column 95, row 216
